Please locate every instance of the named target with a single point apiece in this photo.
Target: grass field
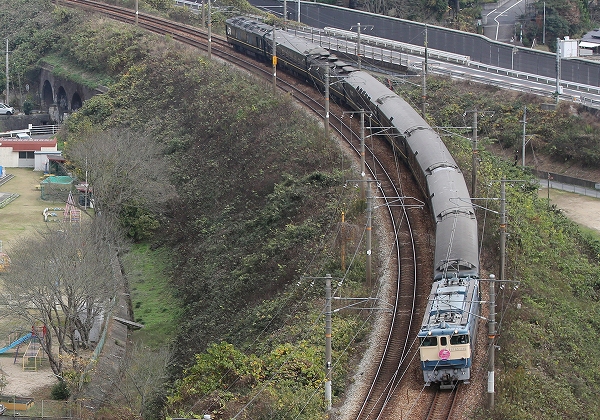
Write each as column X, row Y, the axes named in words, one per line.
column 23, row 215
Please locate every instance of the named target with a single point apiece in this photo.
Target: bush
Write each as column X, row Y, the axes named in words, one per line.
column 27, row 107
column 60, row 391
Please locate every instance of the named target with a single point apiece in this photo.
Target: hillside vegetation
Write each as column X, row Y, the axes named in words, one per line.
column 568, row 135
column 259, row 192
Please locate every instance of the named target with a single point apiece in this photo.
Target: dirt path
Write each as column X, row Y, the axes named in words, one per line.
column 581, row 209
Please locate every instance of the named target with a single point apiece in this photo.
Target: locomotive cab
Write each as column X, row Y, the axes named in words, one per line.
column 445, row 356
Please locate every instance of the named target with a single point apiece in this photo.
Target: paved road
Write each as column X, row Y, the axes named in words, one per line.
column 502, row 20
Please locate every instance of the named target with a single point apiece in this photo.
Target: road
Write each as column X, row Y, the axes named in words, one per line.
column 453, row 65
column 502, row 21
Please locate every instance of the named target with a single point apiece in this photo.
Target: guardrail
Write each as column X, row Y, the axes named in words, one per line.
column 190, row 4
column 383, row 50
column 41, row 130
column 400, row 46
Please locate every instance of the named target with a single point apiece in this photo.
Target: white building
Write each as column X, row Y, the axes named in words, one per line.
column 27, row 153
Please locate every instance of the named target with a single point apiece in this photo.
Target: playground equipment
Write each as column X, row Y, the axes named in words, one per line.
column 15, row 343
column 32, row 358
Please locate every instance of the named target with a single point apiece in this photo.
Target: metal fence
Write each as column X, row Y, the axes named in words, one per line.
column 41, row 130
column 46, row 409
column 568, row 183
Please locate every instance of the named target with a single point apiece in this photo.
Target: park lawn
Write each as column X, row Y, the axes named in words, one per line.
column 24, row 214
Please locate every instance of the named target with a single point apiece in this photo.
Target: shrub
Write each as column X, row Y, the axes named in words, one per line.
column 60, row 391
column 27, row 107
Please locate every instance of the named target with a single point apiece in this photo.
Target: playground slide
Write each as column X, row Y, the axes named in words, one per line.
column 16, row 343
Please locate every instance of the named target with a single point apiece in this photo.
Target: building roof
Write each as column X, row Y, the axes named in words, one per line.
column 28, row 145
column 592, row 36
column 56, row 158
column 57, row 180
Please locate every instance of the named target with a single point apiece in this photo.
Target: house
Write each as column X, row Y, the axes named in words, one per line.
column 590, row 43
column 30, row 152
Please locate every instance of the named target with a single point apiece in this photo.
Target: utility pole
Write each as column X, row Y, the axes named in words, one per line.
column 274, row 61
column 524, row 125
column 298, row 11
column 502, row 227
column 137, row 11
column 327, row 100
column 475, row 153
column 328, row 341
column 544, row 26
column 369, row 228
column 209, row 30
column 424, row 90
column 557, row 69
column 284, row 11
column 358, row 26
column 328, row 313
column 7, row 95
column 549, row 179
column 426, row 49
column 343, row 235
column 424, row 84
column 363, row 173
column 358, row 47
column 491, row 340
column 86, row 185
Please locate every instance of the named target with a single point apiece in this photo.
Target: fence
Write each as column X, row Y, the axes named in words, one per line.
column 568, row 183
column 42, row 130
column 45, row 409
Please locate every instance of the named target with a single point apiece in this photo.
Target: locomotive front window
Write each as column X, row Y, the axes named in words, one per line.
column 444, row 341
column 459, row 339
column 429, row 341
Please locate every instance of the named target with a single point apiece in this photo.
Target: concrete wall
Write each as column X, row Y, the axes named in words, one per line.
column 22, row 121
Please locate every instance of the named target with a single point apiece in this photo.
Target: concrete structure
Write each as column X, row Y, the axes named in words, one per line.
column 27, row 153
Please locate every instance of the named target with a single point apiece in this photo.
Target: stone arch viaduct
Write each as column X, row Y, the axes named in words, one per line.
column 60, row 97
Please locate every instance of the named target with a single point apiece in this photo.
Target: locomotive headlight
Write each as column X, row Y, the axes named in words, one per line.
column 429, row 333
column 455, row 331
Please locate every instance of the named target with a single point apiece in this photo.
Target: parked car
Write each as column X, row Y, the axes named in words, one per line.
column 6, row 110
column 2, row 409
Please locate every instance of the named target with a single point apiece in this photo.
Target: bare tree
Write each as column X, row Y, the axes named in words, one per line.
column 122, row 168
column 142, row 382
column 62, row 280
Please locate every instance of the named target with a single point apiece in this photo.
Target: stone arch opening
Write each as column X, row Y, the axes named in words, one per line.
column 76, row 102
column 62, row 101
column 47, row 96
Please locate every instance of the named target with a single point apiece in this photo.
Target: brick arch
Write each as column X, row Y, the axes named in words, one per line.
column 76, row 101
column 47, row 95
column 62, row 100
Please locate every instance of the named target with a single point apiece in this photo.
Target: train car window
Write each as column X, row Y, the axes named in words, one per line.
column 429, row 341
column 459, row 339
column 444, row 341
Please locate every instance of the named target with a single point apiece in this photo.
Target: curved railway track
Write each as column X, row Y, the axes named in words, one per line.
column 412, row 245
